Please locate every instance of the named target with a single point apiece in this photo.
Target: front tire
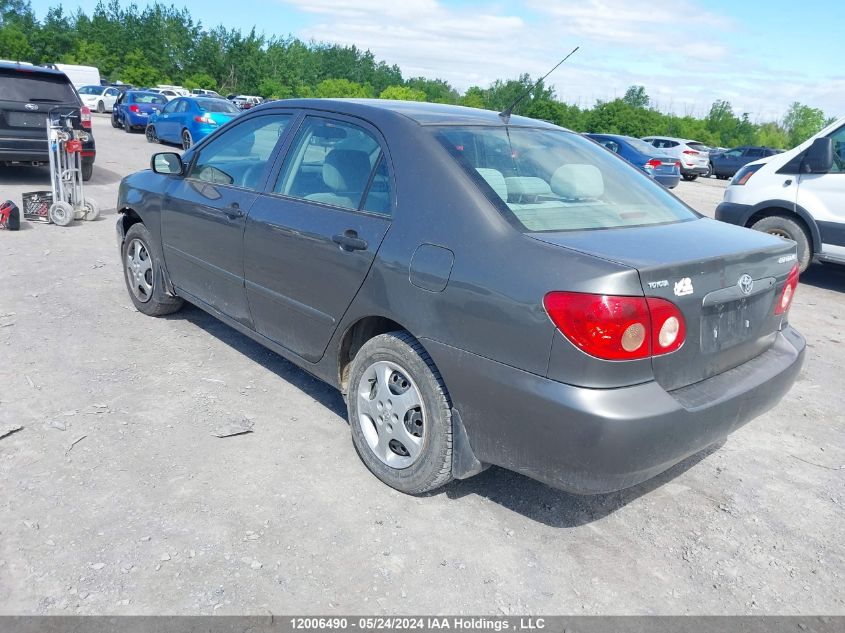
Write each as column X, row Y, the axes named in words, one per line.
column 142, row 273
column 400, row 414
column 150, row 133
column 789, row 229
column 101, row 107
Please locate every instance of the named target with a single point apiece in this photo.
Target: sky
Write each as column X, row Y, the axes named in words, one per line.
column 759, row 55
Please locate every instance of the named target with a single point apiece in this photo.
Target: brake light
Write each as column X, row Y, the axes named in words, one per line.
column 691, row 152
column 744, row 175
column 205, row 118
column 85, row 117
column 134, row 108
column 617, row 328
column 788, row 292
column 653, row 164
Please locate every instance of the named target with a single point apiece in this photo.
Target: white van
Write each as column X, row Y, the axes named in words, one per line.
column 798, row 195
column 79, row 75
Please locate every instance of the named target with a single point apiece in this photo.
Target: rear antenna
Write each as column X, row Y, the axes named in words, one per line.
column 506, row 113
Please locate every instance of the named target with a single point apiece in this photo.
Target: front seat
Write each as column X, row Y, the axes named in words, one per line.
column 345, row 174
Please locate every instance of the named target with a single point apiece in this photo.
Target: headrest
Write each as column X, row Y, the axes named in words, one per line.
column 346, row 170
column 578, row 181
column 496, row 181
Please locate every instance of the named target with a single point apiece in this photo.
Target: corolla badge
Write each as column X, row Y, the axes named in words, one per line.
column 683, row 287
column 31, row 106
column 746, row 284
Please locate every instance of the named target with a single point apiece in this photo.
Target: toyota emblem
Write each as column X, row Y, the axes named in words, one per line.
column 746, row 284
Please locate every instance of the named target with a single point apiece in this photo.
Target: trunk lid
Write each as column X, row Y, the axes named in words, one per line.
column 697, row 265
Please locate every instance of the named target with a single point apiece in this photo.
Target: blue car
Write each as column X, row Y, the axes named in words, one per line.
column 663, row 168
column 187, row 120
column 134, row 108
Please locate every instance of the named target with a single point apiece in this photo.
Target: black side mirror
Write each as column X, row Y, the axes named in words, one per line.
column 167, row 163
column 818, row 159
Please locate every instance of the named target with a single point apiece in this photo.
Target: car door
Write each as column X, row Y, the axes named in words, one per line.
column 823, row 195
column 311, row 239
column 203, row 213
column 166, row 125
column 729, row 163
column 110, row 98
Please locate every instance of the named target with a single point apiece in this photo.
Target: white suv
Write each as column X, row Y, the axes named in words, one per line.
column 693, row 156
column 798, row 195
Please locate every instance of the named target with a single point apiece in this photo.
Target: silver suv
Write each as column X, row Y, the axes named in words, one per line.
column 694, row 156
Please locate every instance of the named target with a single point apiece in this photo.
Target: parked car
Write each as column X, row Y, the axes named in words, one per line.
column 482, row 292
column 798, row 195
column 135, row 107
column 187, row 120
column 664, row 168
column 692, row 155
column 725, row 164
column 99, row 98
column 245, row 102
column 27, row 95
column 200, row 92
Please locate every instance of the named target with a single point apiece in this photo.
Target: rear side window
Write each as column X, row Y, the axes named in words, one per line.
column 550, row 180
column 36, row 88
column 332, row 162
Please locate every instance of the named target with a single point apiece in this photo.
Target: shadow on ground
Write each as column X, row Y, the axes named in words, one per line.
column 511, row 490
column 824, row 276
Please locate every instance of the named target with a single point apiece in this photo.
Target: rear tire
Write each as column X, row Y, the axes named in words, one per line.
column 710, row 171
column 127, row 127
column 400, row 414
column 689, row 177
column 87, row 171
column 187, row 139
column 142, row 274
column 114, row 122
column 788, row 228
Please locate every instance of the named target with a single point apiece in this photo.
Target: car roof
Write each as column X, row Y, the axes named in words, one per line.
column 27, row 68
column 421, row 112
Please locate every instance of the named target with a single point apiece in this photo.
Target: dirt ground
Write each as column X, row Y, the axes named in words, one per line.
column 116, row 498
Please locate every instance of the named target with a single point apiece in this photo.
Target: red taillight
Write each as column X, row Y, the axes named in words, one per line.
column 617, row 328
column 205, row 118
column 85, row 117
column 653, row 164
column 134, row 108
column 678, row 164
column 788, row 292
column 691, row 152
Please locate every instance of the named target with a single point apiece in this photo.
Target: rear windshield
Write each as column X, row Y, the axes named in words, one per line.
column 641, row 146
column 700, row 147
column 36, row 88
column 217, row 105
column 147, row 97
column 550, row 180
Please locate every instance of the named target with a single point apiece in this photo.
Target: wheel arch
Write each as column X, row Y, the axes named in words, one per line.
column 356, row 334
column 792, row 211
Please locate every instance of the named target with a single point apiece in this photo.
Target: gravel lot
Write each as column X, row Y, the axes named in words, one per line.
column 117, row 499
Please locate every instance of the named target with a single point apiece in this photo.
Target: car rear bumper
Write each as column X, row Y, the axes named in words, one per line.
column 695, row 170
column 591, row 441
column 29, row 150
column 670, row 181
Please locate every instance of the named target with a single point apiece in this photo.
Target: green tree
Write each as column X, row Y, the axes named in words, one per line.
column 200, row 80
column 801, row 122
column 402, row 93
column 341, row 88
column 14, row 44
column 473, row 98
column 137, row 71
column 636, row 97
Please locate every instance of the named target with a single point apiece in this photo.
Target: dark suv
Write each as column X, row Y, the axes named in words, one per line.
column 27, row 94
column 726, row 164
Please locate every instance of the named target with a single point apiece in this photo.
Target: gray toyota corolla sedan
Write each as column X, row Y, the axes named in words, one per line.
column 483, row 290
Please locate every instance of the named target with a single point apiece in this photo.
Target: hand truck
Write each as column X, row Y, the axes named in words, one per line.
column 65, row 143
